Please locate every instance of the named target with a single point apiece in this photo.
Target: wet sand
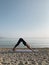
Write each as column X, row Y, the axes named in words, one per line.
column 39, row 56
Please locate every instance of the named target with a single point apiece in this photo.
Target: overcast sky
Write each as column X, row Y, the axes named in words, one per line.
column 24, row 18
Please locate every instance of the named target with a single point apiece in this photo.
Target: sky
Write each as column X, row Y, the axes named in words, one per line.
column 24, row 18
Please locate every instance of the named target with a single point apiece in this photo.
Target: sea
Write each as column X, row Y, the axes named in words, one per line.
column 33, row 42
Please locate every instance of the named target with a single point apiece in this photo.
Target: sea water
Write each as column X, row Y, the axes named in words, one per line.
column 33, row 42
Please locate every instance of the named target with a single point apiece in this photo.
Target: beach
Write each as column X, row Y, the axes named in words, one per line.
column 39, row 56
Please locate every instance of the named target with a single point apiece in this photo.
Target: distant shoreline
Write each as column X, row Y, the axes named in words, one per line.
column 24, row 48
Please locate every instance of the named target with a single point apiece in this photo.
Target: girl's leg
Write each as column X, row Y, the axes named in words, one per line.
column 17, row 44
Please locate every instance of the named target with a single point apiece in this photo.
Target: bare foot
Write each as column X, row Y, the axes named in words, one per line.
column 13, row 49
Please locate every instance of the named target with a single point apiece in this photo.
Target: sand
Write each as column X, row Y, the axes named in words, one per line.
column 39, row 56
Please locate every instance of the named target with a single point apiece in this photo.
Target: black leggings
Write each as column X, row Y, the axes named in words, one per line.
column 19, row 41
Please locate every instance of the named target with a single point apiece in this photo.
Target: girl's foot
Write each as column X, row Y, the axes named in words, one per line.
column 13, row 49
